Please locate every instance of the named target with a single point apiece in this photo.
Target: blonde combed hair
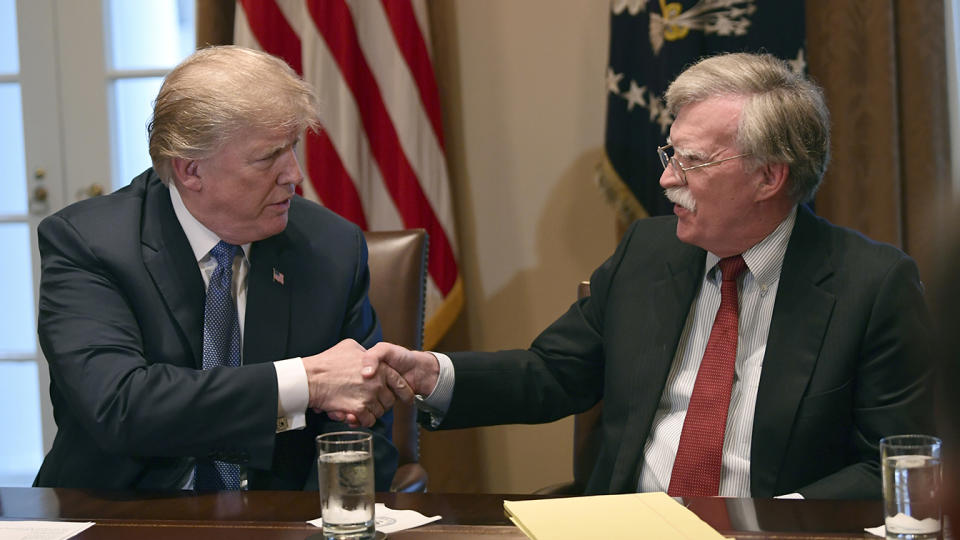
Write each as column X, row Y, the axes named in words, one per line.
column 784, row 119
column 218, row 92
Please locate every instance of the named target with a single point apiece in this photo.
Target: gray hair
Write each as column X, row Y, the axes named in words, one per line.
column 784, row 119
column 218, row 92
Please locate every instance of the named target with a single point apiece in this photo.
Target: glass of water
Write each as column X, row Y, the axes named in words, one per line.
column 345, row 465
column 911, row 486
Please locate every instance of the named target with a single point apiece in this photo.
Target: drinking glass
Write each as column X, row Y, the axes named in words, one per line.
column 345, row 465
column 911, row 486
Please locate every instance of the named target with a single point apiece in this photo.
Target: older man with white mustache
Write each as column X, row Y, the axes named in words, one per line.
column 744, row 346
column 681, row 197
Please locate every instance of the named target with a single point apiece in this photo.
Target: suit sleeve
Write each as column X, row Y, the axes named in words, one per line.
column 562, row 372
column 128, row 403
column 360, row 321
column 893, row 384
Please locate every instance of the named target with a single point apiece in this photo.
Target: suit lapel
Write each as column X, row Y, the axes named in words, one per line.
column 673, row 291
column 172, row 265
column 801, row 315
column 267, row 324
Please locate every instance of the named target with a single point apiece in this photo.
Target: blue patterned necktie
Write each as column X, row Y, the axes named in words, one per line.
column 221, row 347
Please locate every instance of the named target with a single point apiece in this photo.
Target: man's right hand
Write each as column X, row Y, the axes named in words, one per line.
column 420, row 369
column 336, row 384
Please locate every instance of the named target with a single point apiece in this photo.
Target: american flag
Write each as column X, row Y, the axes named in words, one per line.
column 379, row 159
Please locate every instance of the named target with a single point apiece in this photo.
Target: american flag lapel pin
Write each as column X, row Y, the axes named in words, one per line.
column 277, row 276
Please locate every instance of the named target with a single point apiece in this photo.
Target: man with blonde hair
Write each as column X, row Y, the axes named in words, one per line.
column 742, row 347
column 199, row 321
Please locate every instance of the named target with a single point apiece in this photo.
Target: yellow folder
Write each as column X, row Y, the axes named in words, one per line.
column 634, row 515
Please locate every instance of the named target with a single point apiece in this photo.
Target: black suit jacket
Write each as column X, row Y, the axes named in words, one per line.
column 121, row 325
column 845, row 364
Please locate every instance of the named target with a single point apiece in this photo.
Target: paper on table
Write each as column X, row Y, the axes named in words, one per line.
column 907, row 524
column 649, row 515
column 41, row 530
column 389, row 520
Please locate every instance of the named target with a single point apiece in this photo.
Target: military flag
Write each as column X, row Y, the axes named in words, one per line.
column 651, row 41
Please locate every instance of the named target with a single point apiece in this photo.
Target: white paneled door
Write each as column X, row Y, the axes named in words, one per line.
column 77, row 80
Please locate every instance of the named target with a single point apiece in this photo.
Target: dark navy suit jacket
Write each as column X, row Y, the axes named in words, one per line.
column 121, row 324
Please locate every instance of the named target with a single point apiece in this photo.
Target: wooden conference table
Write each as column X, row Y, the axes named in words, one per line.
column 282, row 515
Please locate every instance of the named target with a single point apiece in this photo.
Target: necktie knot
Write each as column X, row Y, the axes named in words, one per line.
column 224, row 253
column 732, row 267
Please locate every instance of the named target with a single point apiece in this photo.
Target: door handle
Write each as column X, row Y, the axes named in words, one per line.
column 94, row 190
column 39, row 201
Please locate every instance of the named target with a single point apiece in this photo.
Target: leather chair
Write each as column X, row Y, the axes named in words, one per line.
column 398, row 262
column 586, row 439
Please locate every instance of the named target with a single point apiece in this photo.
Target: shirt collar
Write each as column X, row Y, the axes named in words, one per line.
column 201, row 239
column 765, row 258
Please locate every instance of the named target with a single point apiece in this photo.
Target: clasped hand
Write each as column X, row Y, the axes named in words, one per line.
column 344, row 384
column 357, row 386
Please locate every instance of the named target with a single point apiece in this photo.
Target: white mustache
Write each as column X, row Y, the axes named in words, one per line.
column 681, row 196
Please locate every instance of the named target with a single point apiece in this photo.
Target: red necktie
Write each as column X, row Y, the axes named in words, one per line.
column 696, row 471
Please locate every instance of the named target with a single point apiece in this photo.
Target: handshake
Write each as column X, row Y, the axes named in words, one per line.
column 357, row 385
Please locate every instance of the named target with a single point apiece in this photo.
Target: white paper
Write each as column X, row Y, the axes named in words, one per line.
column 389, row 520
column 41, row 530
column 908, row 524
column 911, row 525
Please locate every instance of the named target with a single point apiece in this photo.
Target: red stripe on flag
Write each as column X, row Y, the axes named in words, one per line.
column 335, row 23
column 414, row 49
column 273, row 31
column 331, row 180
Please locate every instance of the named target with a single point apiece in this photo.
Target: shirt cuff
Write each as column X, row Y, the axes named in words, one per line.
column 293, row 395
column 438, row 402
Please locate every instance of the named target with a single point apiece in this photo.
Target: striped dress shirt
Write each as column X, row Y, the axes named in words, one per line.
column 757, row 292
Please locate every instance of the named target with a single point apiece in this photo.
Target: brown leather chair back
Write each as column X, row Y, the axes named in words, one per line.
column 398, row 262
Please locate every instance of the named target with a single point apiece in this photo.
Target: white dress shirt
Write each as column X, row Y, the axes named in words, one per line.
column 292, row 391
column 757, row 293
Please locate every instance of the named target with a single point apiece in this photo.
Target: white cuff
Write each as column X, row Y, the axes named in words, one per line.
column 293, row 395
column 438, row 402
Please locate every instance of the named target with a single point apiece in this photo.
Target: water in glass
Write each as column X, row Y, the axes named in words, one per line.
column 911, row 487
column 346, row 488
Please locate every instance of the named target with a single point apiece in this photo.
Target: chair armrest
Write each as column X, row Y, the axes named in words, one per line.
column 409, row 478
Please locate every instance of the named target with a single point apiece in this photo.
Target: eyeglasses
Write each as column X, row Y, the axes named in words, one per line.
column 679, row 171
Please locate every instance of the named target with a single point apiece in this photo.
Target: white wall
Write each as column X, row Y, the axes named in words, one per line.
column 522, row 83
